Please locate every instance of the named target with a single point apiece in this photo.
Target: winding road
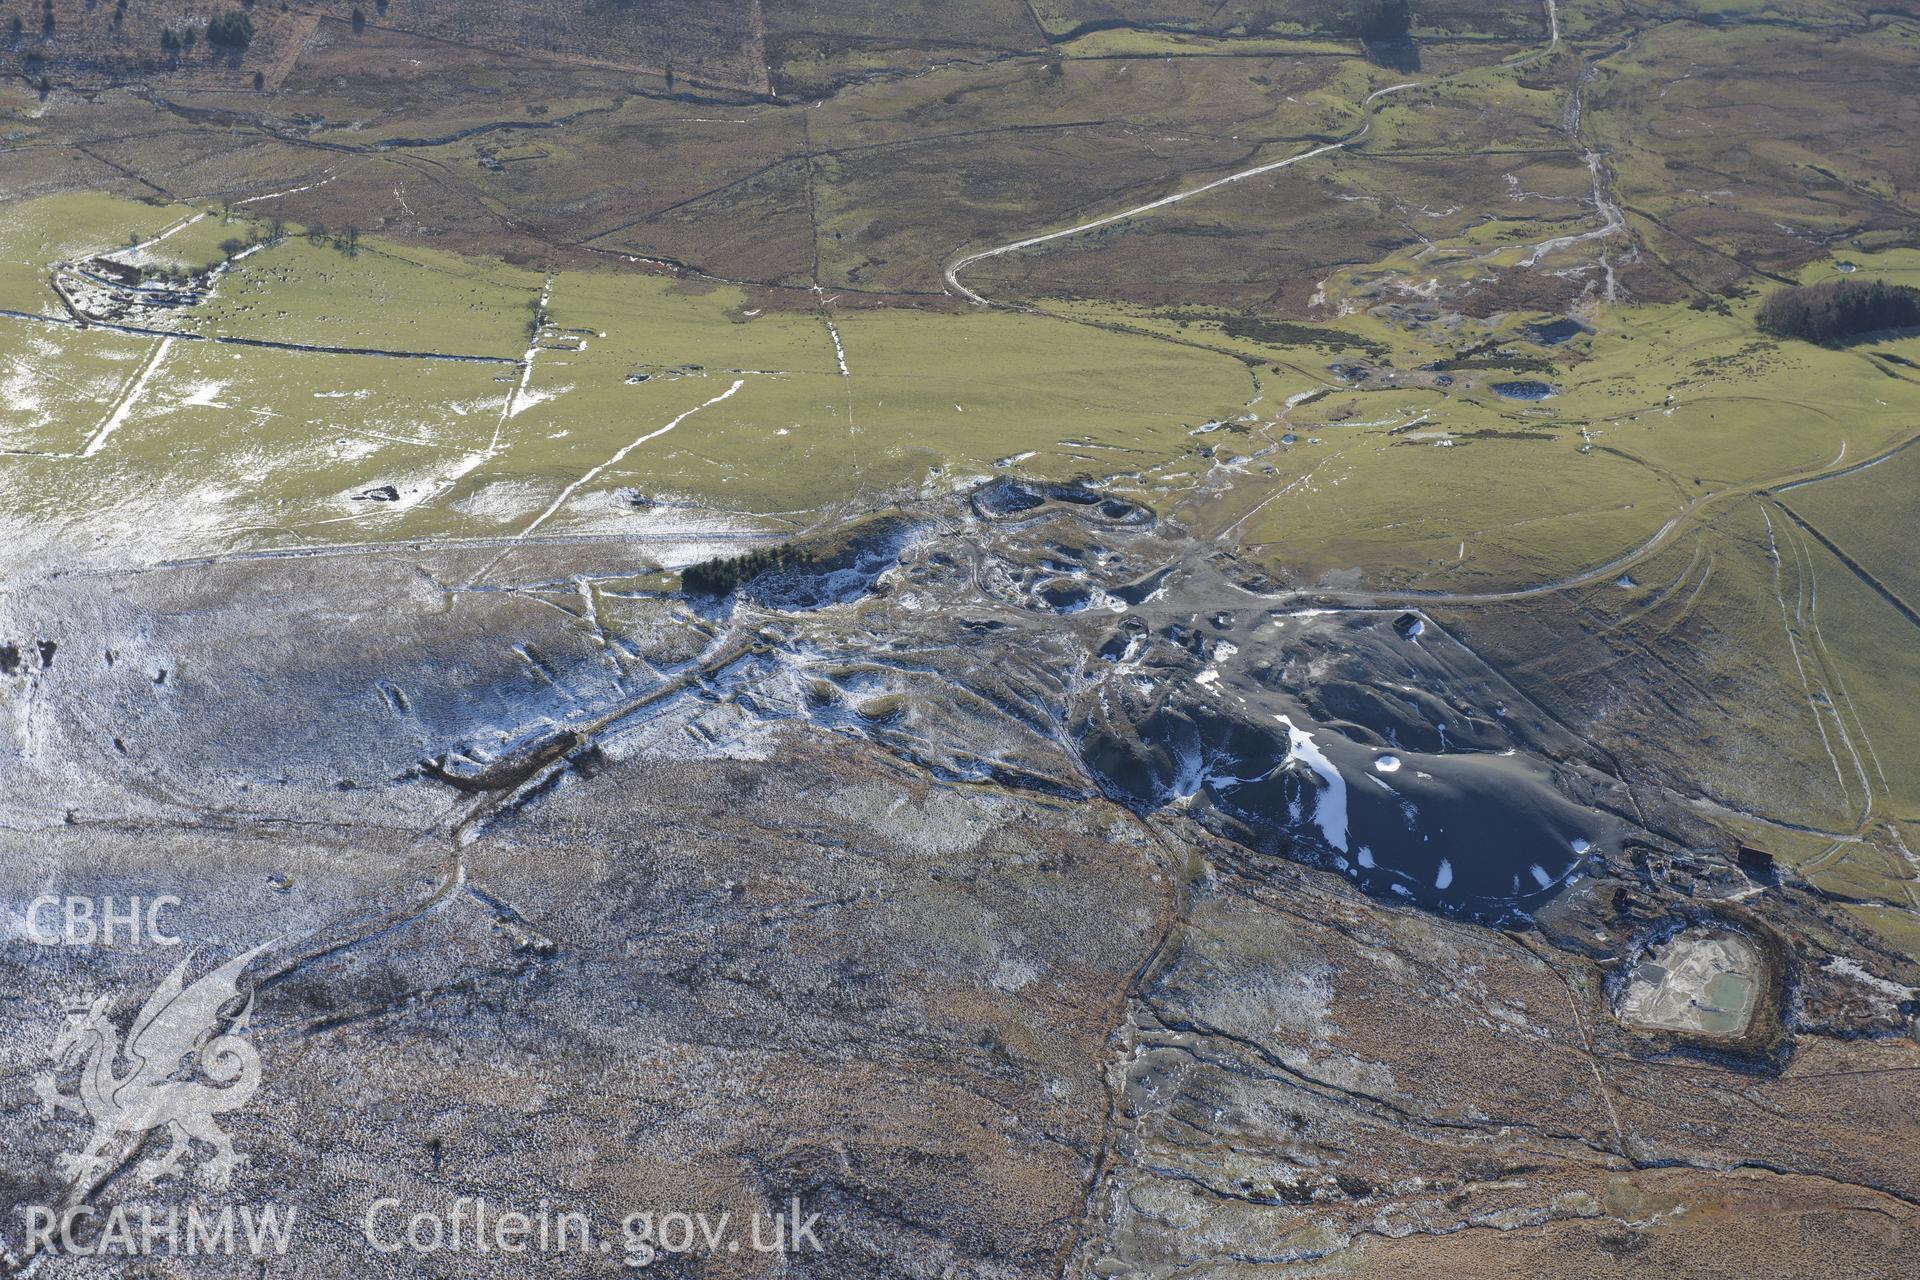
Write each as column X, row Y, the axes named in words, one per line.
column 952, row 273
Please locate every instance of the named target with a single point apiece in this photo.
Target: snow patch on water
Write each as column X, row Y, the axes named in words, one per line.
column 1330, row 810
column 1222, row 651
column 1444, row 876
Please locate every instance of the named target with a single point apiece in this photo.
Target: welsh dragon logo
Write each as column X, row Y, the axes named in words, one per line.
column 149, row 1081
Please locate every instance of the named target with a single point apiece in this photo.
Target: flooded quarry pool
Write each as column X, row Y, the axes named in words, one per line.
column 1700, row 982
column 1403, row 764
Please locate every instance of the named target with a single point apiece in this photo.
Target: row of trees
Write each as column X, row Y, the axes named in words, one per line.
column 229, row 32
column 722, row 574
column 1834, row 311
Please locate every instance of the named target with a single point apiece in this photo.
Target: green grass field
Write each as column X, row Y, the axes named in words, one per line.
column 1416, row 485
column 214, row 447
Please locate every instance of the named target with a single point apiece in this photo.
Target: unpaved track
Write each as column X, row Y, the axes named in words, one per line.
column 952, row 273
column 130, row 397
column 1662, row 536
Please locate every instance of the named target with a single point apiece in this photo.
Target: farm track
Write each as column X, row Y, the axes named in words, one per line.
column 1859, row 571
column 1585, row 577
column 304, row 25
column 951, row 274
